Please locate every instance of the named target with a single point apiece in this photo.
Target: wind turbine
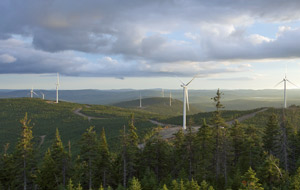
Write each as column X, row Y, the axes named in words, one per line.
column 185, row 100
column 57, row 84
column 284, row 88
column 170, row 98
column 162, row 92
column 43, row 96
column 140, row 100
column 32, row 93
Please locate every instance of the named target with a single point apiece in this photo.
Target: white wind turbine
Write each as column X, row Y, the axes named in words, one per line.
column 43, row 95
column 185, row 100
column 32, row 93
column 170, row 98
column 162, row 93
column 140, row 100
column 284, row 88
column 57, row 84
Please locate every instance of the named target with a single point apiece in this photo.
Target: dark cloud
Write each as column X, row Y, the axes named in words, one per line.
column 144, row 37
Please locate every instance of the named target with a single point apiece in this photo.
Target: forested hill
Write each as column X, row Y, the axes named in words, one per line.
column 260, row 153
column 46, row 116
column 158, row 105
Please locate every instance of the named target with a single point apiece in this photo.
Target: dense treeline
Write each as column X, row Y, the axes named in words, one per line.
column 217, row 157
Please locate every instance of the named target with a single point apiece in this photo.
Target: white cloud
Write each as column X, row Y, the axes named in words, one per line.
column 151, row 38
column 6, row 58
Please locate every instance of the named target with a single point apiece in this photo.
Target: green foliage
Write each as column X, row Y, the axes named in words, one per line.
column 56, row 166
column 295, row 183
column 103, row 160
column 204, row 151
column 205, row 186
column 165, row 187
column 271, row 137
column 70, row 185
column 157, row 105
column 250, row 181
column 175, row 185
column 135, row 184
column 192, row 185
column 24, row 157
column 88, row 156
column 190, row 155
column 270, row 172
column 49, row 116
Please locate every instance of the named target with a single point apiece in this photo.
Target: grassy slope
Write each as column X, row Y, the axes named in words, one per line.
column 46, row 117
column 158, row 105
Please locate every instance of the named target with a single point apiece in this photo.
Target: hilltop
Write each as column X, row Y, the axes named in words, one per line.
column 46, row 116
column 158, row 105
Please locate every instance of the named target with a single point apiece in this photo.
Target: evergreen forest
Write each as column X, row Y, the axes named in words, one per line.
column 262, row 152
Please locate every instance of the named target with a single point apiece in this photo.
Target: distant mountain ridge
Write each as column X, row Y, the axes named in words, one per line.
column 201, row 99
column 158, row 105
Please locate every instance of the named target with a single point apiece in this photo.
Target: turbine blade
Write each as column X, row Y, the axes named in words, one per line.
column 278, row 83
column 292, row 83
column 180, row 80
column 35, row 93
column 187, row 98
column 192, row 79
column 57, row 78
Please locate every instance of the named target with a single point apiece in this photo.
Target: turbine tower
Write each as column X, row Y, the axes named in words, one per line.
column 140, row 100
column 170, row 98
column 32, row 93
column 57, row 84
column 162, row 92
column 185, row 100
column 284, row 89
column 43, row 96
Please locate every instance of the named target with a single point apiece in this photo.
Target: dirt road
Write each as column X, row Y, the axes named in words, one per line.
column 171, row 129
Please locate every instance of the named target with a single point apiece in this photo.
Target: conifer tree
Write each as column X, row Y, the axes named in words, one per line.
column 149, row 181
column 205, row 186
column 175, row 185
column 190, row 147
column 181, row 186
column 250, row 181
column 238, row 136
column 7, row 175
column 56, row 166
column 221, row 141
column 24, row 157
column 295, row 183
column 165, row 187
column 135, row 184
column 70, row 185
column 79, row 187
column 252, row 149
column 47, row 173
column 104, row 161
column 204, row 151
column 270, row 172
column 155, row 161
column 271, row 137
column 192, row 185
column 132, row 148
column 89, row 150
column 179, row 160
column 124, row 156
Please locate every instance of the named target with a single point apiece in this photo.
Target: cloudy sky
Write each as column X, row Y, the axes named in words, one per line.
column 232, row 44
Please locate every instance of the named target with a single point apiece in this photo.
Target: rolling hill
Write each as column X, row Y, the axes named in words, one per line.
column 158, row 105
column 46, row 117
column 200, row 99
